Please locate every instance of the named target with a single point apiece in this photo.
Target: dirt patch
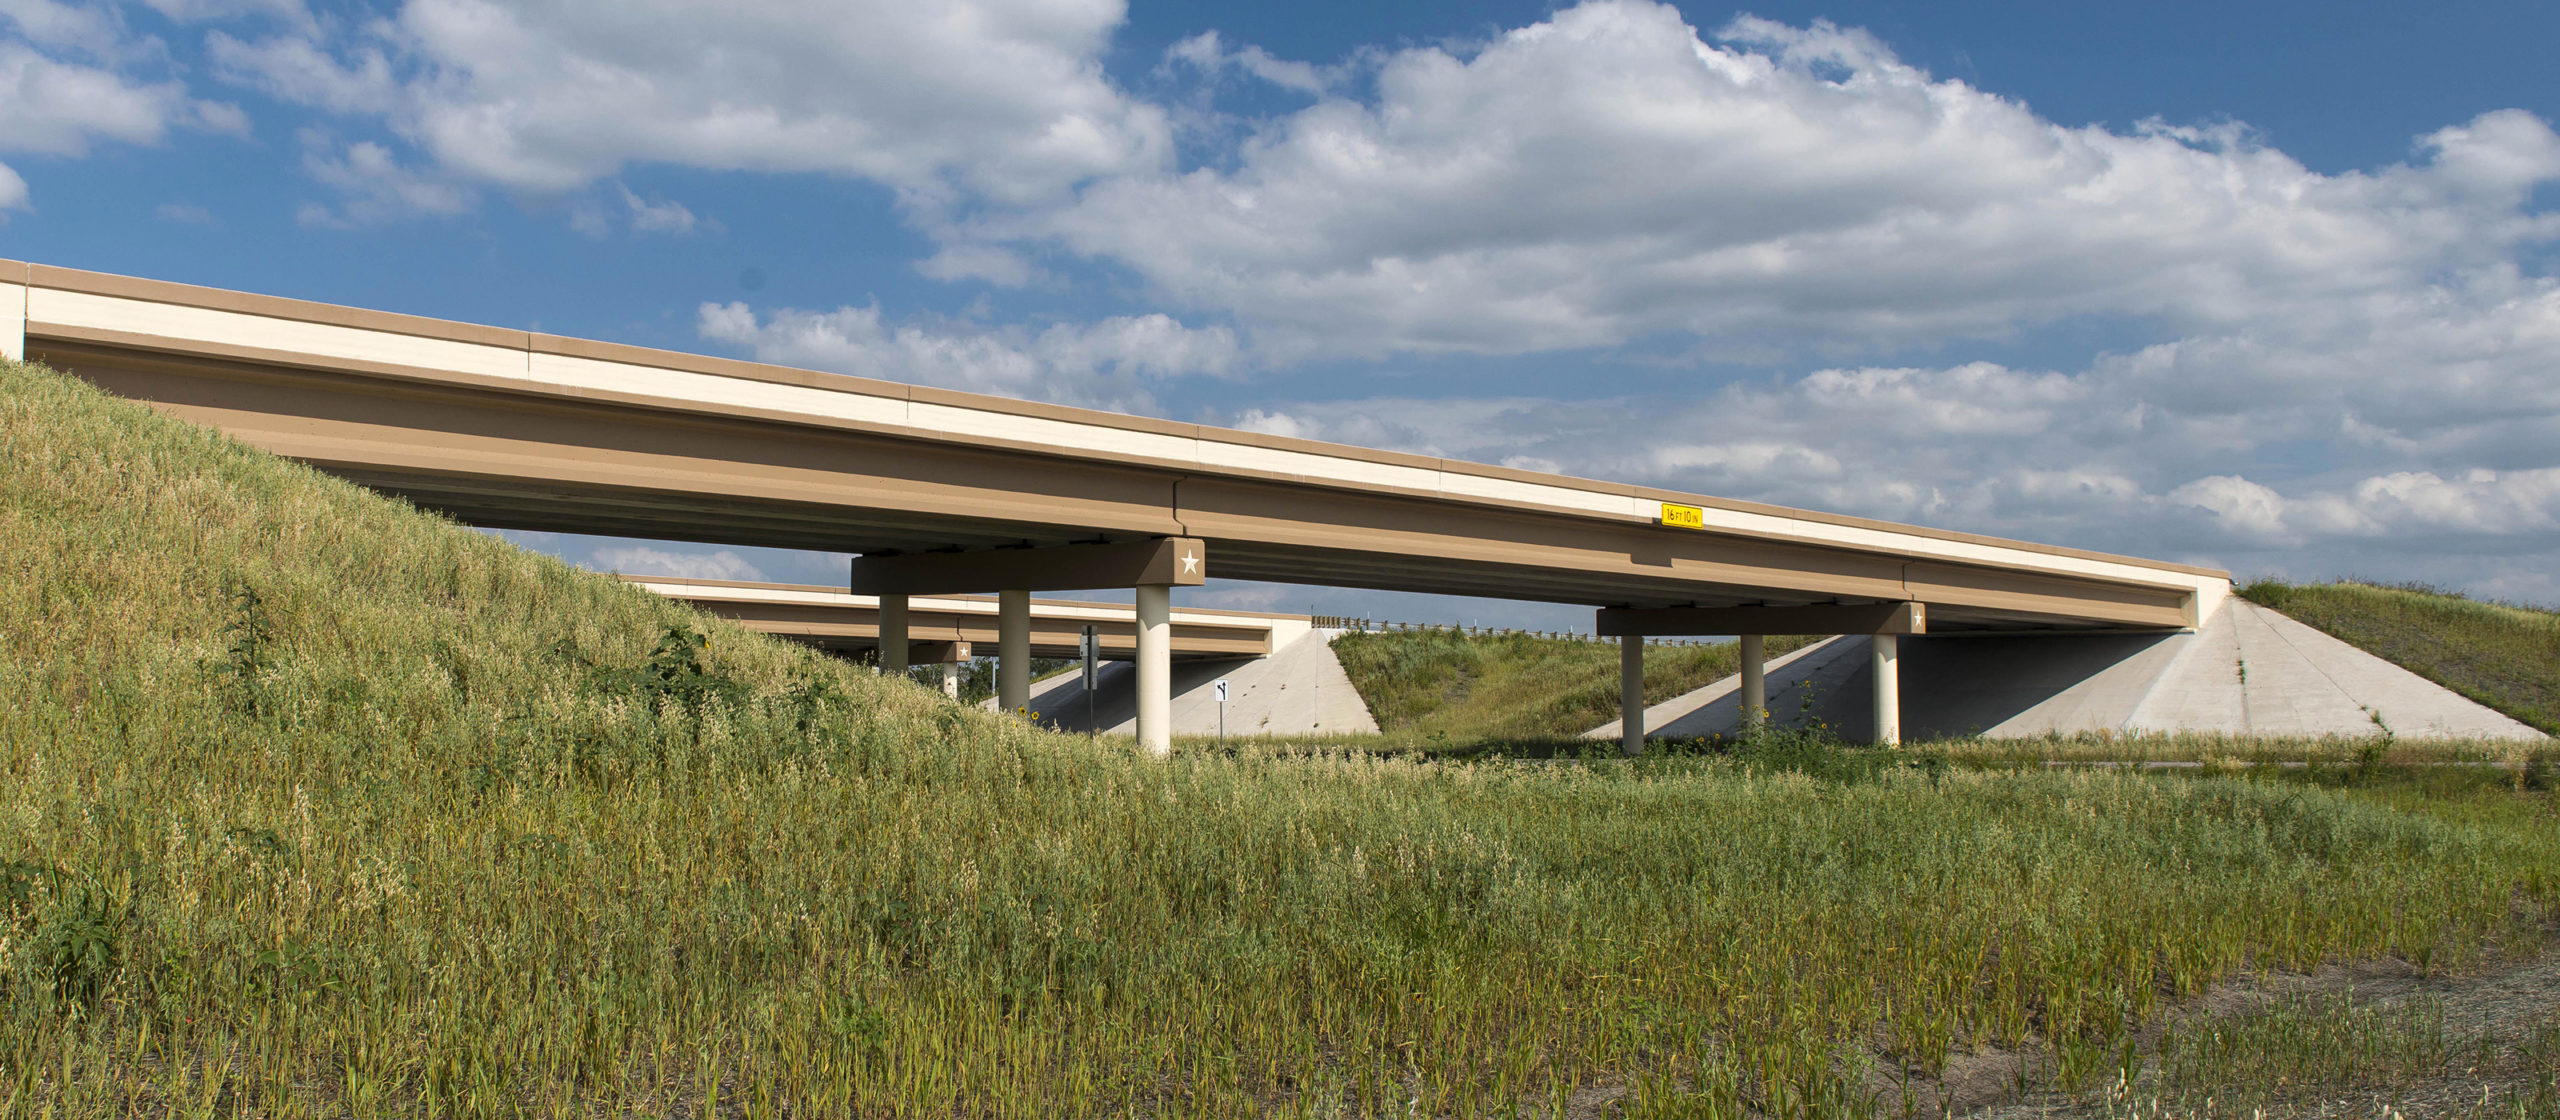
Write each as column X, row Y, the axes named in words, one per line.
column 2375, row 1039
column 2483, row 1043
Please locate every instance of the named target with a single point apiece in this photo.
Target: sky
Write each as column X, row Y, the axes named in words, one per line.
column 2269, row 287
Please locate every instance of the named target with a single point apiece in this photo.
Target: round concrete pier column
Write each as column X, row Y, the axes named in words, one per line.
column 1013, row 650
column 1887, row 651
column 893, row 633
column 1155, row 669
column 1755, row 682
column 1631, row 694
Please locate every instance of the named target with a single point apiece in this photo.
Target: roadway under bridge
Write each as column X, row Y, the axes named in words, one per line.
column 943, row 493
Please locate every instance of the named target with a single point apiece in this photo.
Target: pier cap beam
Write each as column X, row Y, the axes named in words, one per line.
column 938, row 653
column 1839, row 618
column 1167, row 562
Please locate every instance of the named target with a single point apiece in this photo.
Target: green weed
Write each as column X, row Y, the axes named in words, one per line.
column 249, row 657
column 74, row 944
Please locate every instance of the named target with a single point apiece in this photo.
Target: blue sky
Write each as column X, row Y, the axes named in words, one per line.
column 2268, row 286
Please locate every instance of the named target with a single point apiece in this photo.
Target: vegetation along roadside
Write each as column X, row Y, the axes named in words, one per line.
column 313, row 805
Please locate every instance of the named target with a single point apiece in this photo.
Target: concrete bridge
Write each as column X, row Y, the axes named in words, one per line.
column 949, row 630
column 1284, row 676
column 945, row 493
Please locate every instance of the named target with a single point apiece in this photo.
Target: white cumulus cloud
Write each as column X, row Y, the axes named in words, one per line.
column 54, row 107
column 1610, row 174
column 74, row 75
column 374, row 185
column 643, row 560
column 1207, row 54
column 994, row 99
column 640, row 215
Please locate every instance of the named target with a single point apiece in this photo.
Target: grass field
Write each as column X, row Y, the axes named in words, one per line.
column 1511, row 686
column 311, row 805
column 2504, row 656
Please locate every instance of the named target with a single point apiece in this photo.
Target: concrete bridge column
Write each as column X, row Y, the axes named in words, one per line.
column 1755, row 683
column 951, row 679
column 1155, row 669
column 1885, row 620
column 1154, row 567
column 893, row 634
column 1887, row 651
column 1631, row 694
column 1013, row 650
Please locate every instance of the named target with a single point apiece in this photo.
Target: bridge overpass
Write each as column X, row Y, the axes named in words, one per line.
column 957, row 627
column 1285, row 676
column 942, row 492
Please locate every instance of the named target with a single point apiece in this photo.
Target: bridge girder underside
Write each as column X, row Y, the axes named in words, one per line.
column 514, row 458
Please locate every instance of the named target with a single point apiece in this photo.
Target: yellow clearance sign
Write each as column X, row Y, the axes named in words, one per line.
column 1683, row 517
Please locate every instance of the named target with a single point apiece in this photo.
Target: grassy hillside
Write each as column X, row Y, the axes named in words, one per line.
column 311, row 805
column 1513, row 685
column 2506, row 657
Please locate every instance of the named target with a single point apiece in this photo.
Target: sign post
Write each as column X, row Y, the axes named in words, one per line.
column 1091, row 650
column 1222, row 711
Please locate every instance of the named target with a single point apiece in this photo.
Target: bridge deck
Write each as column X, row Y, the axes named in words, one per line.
column 834, row 620
column 513, row 429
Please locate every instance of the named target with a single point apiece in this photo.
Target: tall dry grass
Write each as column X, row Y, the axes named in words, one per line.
column 313, row 805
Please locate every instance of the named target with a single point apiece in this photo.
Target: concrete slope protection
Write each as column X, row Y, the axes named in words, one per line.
column 1665, row 716
column 1299, row 689
column 2247, row 671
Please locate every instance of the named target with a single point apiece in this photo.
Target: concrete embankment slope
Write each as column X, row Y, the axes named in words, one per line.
column 2247, row 671
column 1299, row 689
